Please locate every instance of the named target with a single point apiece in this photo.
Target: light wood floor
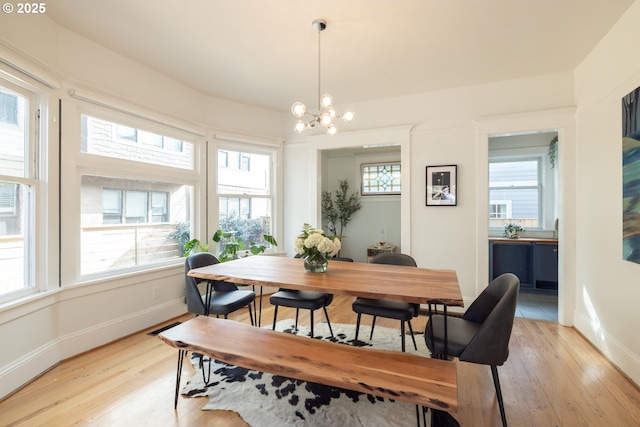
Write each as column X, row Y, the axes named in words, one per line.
column 553, row 378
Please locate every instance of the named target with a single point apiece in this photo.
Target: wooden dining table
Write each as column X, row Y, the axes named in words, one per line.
column 379, row 281
column 382, row 281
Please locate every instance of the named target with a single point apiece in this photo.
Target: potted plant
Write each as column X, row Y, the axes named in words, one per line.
column 512, row 230
column 315, row 248
column 338, row 213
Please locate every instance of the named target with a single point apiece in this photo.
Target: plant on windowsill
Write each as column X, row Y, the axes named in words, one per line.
column 233, row 245
column 512, row 230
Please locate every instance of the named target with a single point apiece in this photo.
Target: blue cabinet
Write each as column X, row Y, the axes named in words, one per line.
column 534, row 261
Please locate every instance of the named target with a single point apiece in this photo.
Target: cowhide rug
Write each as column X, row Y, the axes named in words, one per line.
column 263, row 399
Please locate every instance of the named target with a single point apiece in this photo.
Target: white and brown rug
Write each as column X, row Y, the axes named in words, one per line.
column 263, row 399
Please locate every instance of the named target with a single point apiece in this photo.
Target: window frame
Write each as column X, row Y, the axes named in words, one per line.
column 539, row 187
column 379, row 193
column 229, row 144
column 90, row 164
column 32, row 119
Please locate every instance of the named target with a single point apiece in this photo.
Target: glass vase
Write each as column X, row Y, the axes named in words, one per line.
column 316, row 263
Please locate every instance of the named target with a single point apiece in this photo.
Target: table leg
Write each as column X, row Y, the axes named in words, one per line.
column 181, row 355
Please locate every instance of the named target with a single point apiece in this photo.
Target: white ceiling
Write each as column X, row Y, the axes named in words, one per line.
column 264, row 52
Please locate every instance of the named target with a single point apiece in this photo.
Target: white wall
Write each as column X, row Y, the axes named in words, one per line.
column 443, row 130
column 608, row 289
column 58, row 323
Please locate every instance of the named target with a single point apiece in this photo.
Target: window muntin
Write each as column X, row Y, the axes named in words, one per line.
column 129, row 223
column 515, row 184
column 244, row 194
column 381, row 178
column 105, row 138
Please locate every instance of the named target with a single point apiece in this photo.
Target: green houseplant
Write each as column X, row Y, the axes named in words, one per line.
column 339, row 212
column 232, row 245
column 512, row 230
column 315, row 248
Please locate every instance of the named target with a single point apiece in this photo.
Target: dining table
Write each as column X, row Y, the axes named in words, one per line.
column 379, row 281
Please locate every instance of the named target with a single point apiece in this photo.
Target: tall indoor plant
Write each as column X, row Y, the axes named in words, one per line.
column 339, row 212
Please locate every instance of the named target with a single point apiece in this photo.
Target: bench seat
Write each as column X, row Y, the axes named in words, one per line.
column 394, row 375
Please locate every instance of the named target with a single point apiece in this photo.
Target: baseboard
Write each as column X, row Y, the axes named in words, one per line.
column 620, row 356
column 33, row 364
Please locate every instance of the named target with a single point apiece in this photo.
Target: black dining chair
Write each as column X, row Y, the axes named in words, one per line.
column 402, row 311
column 223, row 298
column 308, row 300
column 482, row 334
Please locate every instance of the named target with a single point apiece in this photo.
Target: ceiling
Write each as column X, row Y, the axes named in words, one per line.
column 265, row 53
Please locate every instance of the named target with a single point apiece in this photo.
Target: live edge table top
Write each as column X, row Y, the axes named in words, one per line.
column 380, row 281
column 391, row 374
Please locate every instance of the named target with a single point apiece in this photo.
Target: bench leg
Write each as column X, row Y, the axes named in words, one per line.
column 181, row 355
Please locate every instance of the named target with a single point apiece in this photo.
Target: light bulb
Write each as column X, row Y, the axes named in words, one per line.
column 331, row 130
column 299, row 126
column 326, row 100
column 325, row 119
column 298, row 109
column 331, row 112
column 347, row 116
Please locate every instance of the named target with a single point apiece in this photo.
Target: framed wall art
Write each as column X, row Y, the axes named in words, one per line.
column 442, row 188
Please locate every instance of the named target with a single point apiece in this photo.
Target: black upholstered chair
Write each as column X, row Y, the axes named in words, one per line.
column 223, row 298
column 402, row 311
column 482, row 334
column 307, row 300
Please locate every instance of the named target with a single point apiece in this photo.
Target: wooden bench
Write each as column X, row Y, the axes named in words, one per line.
column 394, row 375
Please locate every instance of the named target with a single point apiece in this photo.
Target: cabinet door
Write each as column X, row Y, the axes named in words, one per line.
column 546, row 266
column 512, row 258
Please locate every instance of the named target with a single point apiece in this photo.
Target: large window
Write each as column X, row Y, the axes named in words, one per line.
column 245, row 195
column 18, row 188
column 515, row 193
column 132, row 217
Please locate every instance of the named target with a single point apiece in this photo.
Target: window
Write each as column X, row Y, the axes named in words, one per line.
column 244, row 194
column 131, row 206
column 515, row 193
column 105, row 138
column 132, row 218
column 381, row 178
column 18, row 190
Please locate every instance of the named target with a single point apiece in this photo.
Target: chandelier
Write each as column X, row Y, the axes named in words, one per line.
column 326, row 114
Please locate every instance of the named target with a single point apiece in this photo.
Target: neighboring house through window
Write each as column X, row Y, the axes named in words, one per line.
column 515, row 192
column 129, row 213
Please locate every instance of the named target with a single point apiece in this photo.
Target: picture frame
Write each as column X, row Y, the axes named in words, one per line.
column 442, row 185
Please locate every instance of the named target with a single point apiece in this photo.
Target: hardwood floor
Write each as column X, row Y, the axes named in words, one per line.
column 553, row 377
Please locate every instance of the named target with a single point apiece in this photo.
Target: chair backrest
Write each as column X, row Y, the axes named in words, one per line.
column 394, row 258
column 495, row 308
column 194, row 298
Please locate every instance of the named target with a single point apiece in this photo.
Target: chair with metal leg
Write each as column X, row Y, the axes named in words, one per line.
column 482, row 334
column 402, row 311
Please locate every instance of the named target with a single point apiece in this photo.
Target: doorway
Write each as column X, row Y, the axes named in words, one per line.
column 523, row 193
